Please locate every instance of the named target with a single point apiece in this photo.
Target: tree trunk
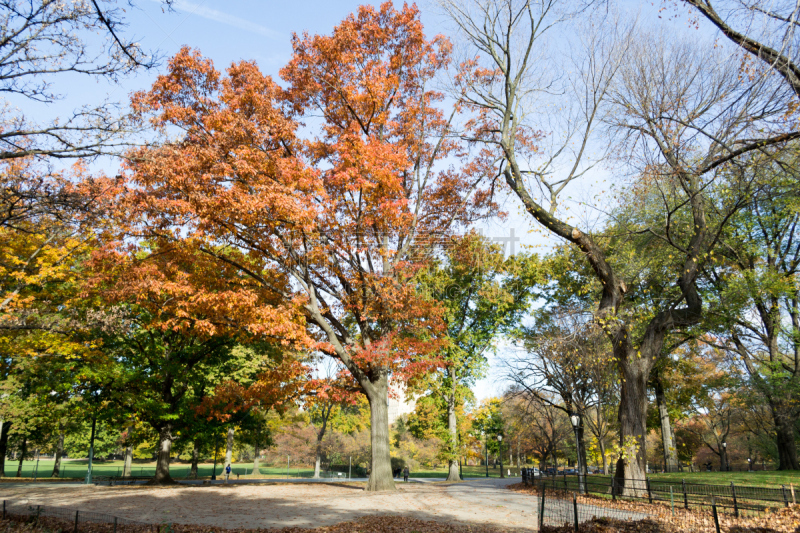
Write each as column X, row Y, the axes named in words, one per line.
column 22, row 455
column 195, row 458
column 603, row 455
column 380, row 477
column 228, row 449
column 787, row 447
column 162, row 476
column 59, row 453
column 500, row 458
column 127, row 465
column 667, row 440
column 256, row 454
column 634, row 370
column 320, row 436
column 5, row 427
column 584, row 465
column 453, row 473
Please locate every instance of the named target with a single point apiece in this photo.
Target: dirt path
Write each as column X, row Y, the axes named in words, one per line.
column 291, row 504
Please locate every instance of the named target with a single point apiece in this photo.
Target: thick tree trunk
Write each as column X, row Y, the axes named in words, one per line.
column 634, row 370
column 5, row 428
column 723, row 458
column 787, row 447
column 195, row 459
column 317, row 464
column 22, row 455
column 162, row 476
column 380, row 477
column 667, row 440
column 318, row 455
column 582, row 449
column 453, row 473
column 127, row 465
column 228, row 449
column 59, row 453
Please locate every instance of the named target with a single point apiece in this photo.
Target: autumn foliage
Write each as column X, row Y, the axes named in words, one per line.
column 329, row 217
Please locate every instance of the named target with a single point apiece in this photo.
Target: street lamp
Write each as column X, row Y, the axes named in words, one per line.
column 725, row 455
column 576, row 423
column 500, row 453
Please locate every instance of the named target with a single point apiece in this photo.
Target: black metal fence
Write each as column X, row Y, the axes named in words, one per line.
column 738, row 500
column 78, row 520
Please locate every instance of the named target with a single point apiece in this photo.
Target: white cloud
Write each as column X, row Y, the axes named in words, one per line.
column 218, row 16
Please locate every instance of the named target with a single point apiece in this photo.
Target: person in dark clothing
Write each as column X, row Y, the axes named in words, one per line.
column 405, row 474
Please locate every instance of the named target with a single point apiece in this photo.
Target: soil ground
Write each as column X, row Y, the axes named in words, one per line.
column 248, row 505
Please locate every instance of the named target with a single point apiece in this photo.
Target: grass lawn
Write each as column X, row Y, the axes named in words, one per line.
column 755, row 479
column 769, row 477
column 77, row 469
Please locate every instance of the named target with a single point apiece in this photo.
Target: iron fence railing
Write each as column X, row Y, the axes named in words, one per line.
column 75, row 518
column 737, row 500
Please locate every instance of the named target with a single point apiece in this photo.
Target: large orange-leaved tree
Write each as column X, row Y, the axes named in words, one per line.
column 338, row 182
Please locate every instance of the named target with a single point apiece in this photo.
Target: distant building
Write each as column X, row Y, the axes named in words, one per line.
column 399, row 404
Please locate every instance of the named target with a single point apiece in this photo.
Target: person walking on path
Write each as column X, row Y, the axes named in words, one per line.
column 405, row 474
column 227, row 473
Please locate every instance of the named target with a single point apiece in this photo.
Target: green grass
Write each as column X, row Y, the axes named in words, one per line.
column 77, row 469
column 469, row 472
column 769, row 477
column 756, row 479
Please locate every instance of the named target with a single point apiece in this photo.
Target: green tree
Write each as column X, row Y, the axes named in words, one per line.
column 483, row 295
column 755, row 279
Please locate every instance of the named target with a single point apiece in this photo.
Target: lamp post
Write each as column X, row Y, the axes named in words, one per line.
column 500, row 453
column 576, row 423
column 725, row 456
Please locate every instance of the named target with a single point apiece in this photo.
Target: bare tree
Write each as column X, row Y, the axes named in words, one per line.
column 544, row 427
column 766, row 31
column 566, row 364
column 690, row 118
column 41, row 40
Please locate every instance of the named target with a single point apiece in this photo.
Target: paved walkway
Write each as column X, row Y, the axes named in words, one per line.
column 250, row 505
